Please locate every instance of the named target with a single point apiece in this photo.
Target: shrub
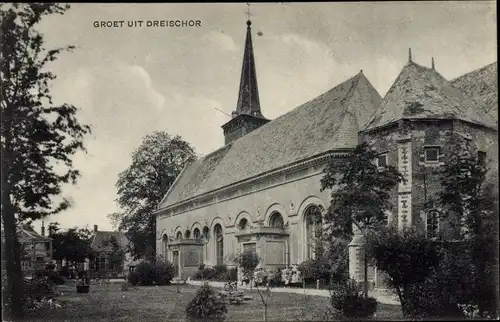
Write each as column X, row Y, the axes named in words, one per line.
column 133, row 278
column 206, row 306
column 220, row 270
column 248, row 262
column 146, row 273
column 316, row 269
column 164, row 272
column 37, row 289
column 406, row 256
column 338, row 257
column 207, row 273
column 347, row 299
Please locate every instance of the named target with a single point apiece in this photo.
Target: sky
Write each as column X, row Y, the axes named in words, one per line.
column 130, row 81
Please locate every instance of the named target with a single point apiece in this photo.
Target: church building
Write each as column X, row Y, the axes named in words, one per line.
column 261, row 190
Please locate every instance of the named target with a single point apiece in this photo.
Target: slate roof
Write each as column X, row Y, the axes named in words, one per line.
column 420, row 92
column 482, row 86
column 101, row 237
column 330, row 121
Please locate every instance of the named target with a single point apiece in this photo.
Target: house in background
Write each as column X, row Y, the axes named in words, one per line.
column 36, row 249
column 103, row 248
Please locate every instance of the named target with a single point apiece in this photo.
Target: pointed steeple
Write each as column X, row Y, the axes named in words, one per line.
column 247, row 116
column 248, row 96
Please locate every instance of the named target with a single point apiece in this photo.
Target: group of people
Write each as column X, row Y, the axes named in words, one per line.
column 261, row 276
column 291, row 275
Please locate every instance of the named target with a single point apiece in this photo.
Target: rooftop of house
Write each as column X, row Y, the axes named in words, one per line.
column 101, row 240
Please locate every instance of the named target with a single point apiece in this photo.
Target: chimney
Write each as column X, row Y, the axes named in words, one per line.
column 43, row 229
column 95, row 228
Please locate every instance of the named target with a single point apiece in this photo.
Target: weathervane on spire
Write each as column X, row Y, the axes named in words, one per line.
column 248, row 13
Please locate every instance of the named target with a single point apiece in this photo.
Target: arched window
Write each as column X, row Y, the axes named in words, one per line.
column 314, row 230
column 243, row 224
column 165, row 248
column 187, row 234
column 276, row 220
column 196, row 233
column 219, row 244
column 206, row 233
column 178, row 236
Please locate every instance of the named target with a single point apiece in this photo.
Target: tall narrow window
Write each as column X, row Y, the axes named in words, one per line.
column 206, row 233
column 313, row 223
column 165, row 247
column 219, row 244
column 381, row 160
column 179, row 236
column 196, row 233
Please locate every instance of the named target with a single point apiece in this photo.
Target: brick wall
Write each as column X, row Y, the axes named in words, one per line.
column 425, row 176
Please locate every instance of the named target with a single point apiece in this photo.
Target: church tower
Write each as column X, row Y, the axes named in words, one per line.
column 247, row 116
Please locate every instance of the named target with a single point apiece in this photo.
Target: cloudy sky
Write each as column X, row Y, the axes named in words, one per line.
column 129, row 82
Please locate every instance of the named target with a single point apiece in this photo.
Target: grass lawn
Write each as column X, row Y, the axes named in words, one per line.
column 164, row 303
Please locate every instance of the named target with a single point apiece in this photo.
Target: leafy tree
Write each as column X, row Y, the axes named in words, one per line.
column 470, row 204
column 248, row 261
column 141, row 187
column 360, row 195
column 406, row 256
column 38, row 138
column 72, row 244
column 117, row 255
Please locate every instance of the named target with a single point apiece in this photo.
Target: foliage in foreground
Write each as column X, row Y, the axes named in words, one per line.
column 433, row 279
column 347, row 299
column 158, row 272
column 36, row 134
column 360, row 196
column 206, row 306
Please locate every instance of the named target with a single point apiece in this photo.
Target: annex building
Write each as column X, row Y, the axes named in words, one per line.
column 261, row 190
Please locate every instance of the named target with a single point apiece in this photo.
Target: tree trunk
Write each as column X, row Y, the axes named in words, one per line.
column 365, row 286
column 15, row 287
column 401, row 299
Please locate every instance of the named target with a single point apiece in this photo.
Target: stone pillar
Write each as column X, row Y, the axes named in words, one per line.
column 86, row 264
column 356, row 256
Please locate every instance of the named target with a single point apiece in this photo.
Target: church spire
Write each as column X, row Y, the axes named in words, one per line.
column 247, row 117
column 248, row 96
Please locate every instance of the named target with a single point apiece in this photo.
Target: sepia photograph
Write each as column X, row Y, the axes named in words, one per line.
column 279, row 161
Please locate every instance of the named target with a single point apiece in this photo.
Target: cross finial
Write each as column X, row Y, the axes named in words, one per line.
column 248, row 14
